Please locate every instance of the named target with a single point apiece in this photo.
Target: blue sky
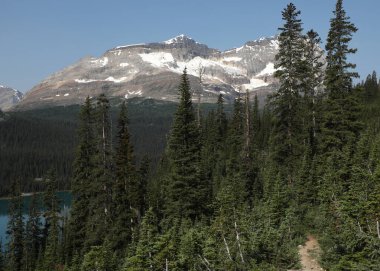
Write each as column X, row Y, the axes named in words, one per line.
column 40, row 37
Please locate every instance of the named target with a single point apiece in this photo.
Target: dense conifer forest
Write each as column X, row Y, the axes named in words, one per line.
column 35, row 141
column 235, row 191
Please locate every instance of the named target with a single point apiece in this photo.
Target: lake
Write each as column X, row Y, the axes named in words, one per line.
column 65, row 202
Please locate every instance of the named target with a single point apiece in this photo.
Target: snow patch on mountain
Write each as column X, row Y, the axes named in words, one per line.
column 177, row 39
column 130, row 45
column 158, row 59
column 255, row 83
column 85, row 81
column 268, row 70
column 232, row 59
column 102, row 61
column 111, row 79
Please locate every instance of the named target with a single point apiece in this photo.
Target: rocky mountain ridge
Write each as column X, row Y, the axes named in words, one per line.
column 9, row 97
column 152, row 71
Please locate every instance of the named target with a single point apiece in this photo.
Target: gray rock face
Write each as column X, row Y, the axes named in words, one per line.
column 153, row 71
column 9, row 97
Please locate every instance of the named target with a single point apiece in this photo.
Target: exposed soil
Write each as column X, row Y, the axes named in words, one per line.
column 309, row 254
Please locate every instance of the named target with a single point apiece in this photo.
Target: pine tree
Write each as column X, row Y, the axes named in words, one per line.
column 256, row 123
column 2, row 257
column 235, row 138
column 124, row 213
column 286, row 102
column 143, row 175
column 213, row 142
column 218, row 144
column 99, row 258
column 339, row 134
column 15, row 229
column 371, row 87
column 340, row 124
column 83, row 170
column 100, row 188
column 145, row 249
column 256, row 190
column 339, row 76
column 33, row 236
column 312, row 86
column 221, row 119
column 52, row 227
column 187, row 193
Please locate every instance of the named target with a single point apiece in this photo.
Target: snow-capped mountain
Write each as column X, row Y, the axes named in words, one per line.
column 152, row 71
column 9, row 97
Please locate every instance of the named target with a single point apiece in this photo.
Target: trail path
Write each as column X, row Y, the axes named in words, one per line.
column 309, row 254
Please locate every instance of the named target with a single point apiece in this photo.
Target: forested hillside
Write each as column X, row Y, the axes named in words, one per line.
column 35, row 141
column 235, row 191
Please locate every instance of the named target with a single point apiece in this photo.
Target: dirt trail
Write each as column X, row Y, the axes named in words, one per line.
column 309, row 254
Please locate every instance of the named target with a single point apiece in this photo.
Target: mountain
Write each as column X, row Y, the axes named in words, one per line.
column 9, row 97
column 152, row 71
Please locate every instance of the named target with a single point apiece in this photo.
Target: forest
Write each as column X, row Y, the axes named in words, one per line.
column 34, row 141
column 235, row 191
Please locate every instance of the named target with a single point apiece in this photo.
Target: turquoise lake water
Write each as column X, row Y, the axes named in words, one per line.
column 65, row 201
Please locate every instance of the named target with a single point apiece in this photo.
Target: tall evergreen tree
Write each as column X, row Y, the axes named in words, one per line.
column 340, row 124
column 124, row 211
column 235, row 137
column 2, row 257
column 33, row 235
column 145, row 249
column 339, row 130
column 187, row 192
column 100, row 188
column 371, row 87
column 312, row 86
column 143, row 178
column 286, row 102
column 52, row 223
column 82, row 178
column 15, row 229
column 339, row 75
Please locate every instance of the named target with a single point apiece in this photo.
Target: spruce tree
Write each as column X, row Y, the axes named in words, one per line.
column 186, row 193
column 371, row 87
column 100, row 188
column 83, row 172
column 235, row 137
column 33, row 235
column 15, row 229
column 124, row 212
column 221, row 119
column 2, row 257
column 339, row 72
column 340, row 124
column 143, row 178
column 52, row 223
column 145, row 249
column 312, row 86
column 339, row 133
column 286, row 102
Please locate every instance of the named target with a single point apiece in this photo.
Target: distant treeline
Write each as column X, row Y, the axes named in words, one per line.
column 33, row 141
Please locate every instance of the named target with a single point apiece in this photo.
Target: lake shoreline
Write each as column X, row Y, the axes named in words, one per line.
column 29, row 194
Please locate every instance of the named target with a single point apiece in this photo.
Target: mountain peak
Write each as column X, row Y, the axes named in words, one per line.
column 9, row 97
column 179, row 39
